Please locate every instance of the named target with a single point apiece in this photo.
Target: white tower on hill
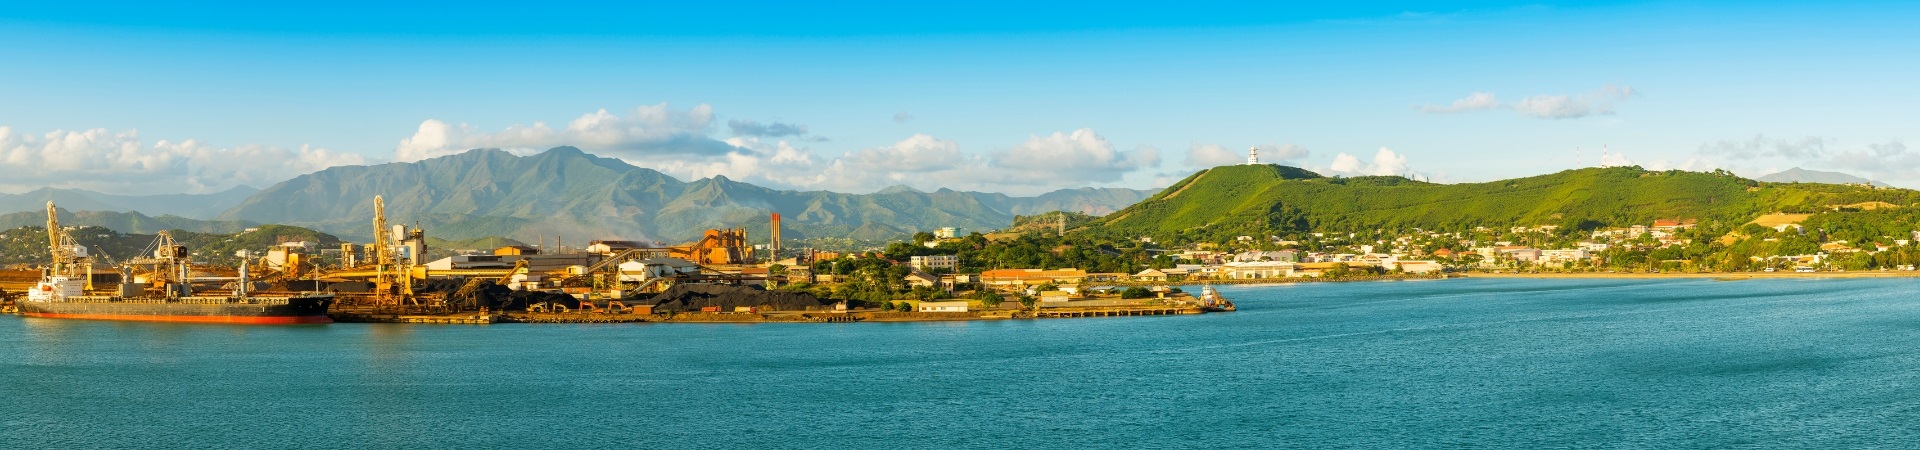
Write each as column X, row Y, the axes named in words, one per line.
column 1253, row 156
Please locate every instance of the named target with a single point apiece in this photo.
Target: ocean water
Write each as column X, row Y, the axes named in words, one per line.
column 1417, row 364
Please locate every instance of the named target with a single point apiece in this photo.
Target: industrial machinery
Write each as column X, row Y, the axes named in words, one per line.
column 69, row 257
column 717, row 247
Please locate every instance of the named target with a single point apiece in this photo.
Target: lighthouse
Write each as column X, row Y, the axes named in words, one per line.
column 1253, row 156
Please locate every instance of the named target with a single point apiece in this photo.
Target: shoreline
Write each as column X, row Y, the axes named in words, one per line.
column 1714, row 275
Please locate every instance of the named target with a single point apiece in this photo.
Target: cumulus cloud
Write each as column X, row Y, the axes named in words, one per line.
column 1473, row 102
column 1558, row 106
column 653, row 130
column 1082, row 155
column 1761, row 146
column 1615, row 160
column 771, row 129
column 679, row 143
column 1040, row 164
column 123, row 163
column 1385, row 162
column 1889, row 162
column 1212, row 155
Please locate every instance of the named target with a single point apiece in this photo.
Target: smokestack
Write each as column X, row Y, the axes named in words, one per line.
column 775, row 254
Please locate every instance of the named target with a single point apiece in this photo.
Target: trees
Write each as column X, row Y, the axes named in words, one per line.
column 990, row 299
column 1136, row 292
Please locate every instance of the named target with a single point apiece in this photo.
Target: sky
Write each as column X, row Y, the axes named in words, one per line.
column 1010, row 97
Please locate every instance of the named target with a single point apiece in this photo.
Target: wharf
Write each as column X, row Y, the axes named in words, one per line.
column 1053, row 313
column 454, row 319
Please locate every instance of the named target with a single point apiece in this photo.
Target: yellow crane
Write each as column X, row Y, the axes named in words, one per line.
column 69, row 257
column 392, row 285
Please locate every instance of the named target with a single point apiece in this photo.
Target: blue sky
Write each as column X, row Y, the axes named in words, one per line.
column 989, row 96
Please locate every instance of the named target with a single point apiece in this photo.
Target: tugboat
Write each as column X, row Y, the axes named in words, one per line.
column 163, row 294
column 1211, row 300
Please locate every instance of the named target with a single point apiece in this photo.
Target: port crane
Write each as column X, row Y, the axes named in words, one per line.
column 69, row 257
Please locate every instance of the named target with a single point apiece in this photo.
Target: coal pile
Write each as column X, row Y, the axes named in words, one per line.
column 472, row 295
column 692, row 297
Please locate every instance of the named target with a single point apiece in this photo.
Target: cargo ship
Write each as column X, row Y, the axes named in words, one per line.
column 165, row 292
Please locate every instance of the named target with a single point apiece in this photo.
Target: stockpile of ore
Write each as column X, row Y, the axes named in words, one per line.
column 476, row 293
column 692, row 297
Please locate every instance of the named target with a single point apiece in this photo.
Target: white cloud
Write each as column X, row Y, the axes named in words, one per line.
column 1615, row 160
column 1213, row 155
column 1890, row 162
column 679, row 143
column 1473, row 102
column 122, row 163
column 645, row 131
column 1560, row 106
column 1385, row 162
column 770, row 129
column 1761, row 146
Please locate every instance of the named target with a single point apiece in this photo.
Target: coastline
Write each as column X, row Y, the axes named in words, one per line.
column 1714, row 275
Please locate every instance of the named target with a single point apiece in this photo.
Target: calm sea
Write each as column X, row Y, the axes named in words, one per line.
column 1419, row 364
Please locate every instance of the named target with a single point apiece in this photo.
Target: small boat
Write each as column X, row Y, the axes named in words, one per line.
column 1211, row 300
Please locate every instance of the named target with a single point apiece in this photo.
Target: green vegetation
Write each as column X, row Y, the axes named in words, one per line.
column 28, row 245
column 1223, row 202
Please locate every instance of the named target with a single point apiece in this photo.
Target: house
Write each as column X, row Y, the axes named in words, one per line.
column 1420, row 267
column 1151, row 275
column 1031, row 277
column 953, row 306
column 1256, row 270
column 920, row 278
column 1563, row 256
column 946, row 233
column 1672, row 225
column 1105, row 277
column 1443, row 253
column 935, row 262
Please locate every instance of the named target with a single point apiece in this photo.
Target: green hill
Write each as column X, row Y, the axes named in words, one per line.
column 1234, row 200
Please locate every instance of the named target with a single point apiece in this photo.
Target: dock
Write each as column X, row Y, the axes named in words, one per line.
column 1061, row 313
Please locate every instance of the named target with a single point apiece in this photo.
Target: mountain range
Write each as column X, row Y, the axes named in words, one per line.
column 192, row 206
column 567, row 192
column 1799, row 175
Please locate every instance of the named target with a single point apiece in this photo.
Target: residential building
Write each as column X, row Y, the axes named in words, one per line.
column 935, row 262
column 1031, row 277
column 1419, row 267
column 953, row 306
column 1256, row 270
column 1150, row 275
column 946, row 233
column 920, row 278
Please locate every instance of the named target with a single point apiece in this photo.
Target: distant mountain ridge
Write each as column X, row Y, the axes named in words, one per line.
column 192, row 206
column 124, row 222
column 1799, row 175
column 568, row 193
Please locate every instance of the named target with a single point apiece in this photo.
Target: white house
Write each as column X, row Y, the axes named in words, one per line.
column 954, row 306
